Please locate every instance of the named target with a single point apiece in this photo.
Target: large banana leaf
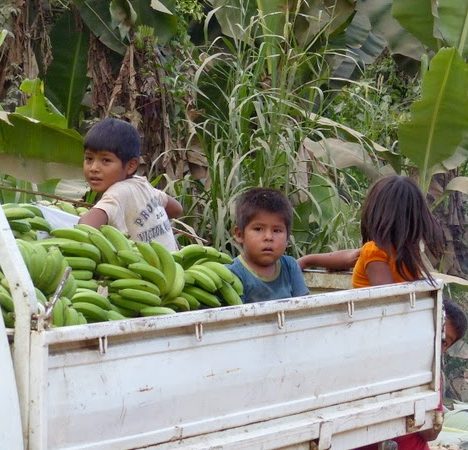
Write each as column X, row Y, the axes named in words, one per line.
column 38, row 106
column 439, row 120
column 384, row 24
column 322, row 17
column 342, row 154
column 234, row 16
column 459, row 184
column 38, row 151
column 123, row 16
column 66, row 79
column 309, row 18
column 363, row 47
column 417, row 18
column 273, row 19
column 452, row 24
column 96, row 15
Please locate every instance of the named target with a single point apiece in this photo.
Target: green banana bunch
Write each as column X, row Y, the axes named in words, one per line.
column 127, row 304
column 195, row 254
column 151, row 274
column 25, row 220
column 92, row 297
column 156, row 311
column 6, row 302
column 58, row 312
column 107, row 249
column 138, row 275
column 73, row 234
column 140, row 296
column 54, row 266
column 177, row 304
column 91, row 312
column 8, row 319
column 211, row 283
column 178, row 284
column 116, row 237
column 72, row 317
column 81, row 263
column 168, row 267
column 204, row 297
column 134, row 283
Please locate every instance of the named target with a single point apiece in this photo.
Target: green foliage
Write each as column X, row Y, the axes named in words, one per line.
column 376, row 103
column 250, row 129
column 452, row 23
column 190, row 10
column 439, row 120
column 66, row 78
column 13, row 190
column 96, row 15
column 36, row 135
column 416, row 18
column 38, row 107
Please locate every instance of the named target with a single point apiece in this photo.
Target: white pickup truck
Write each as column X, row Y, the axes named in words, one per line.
column 333, row 370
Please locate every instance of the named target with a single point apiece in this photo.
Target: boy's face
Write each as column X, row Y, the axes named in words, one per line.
column 263, row 240
column 450, row 335
column 102, row 169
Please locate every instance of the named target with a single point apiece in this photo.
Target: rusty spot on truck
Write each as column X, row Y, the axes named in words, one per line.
column 145, row 389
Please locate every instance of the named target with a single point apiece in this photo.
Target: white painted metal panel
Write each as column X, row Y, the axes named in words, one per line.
column 11, row 436
column 160, row 385
column 22, row 292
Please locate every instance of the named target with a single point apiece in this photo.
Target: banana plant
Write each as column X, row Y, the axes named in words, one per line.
column 35, row 142
column 439, row 120
column 66, row 78
column 307, row 23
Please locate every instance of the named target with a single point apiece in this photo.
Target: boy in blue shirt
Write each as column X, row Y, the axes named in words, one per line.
column 264, row 218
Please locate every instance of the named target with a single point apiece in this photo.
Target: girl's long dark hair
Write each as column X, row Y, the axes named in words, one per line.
column 396, row 217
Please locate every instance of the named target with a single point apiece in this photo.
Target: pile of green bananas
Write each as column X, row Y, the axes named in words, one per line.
column 113, row 277
column 65, row 206
column 25, row 220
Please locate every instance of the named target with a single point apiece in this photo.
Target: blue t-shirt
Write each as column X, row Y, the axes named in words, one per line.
column 289, row 282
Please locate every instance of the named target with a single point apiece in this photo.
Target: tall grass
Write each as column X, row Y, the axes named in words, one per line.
column 254, row 113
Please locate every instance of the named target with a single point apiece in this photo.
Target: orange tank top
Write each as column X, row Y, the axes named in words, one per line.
column 371, row 253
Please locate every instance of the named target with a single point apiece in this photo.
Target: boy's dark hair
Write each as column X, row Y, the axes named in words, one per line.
column 396, row 217
column 116, row 136
column 457, row 317
column 262, row 199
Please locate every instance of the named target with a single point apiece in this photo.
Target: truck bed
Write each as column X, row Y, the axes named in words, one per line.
column 343, row 367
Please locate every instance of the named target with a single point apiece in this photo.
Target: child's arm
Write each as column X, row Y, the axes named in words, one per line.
column 378, row 272
column 339, row 260
column 173, row 208
column 94, row 217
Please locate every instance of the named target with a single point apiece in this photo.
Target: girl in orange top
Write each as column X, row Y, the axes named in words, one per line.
column 395, row 219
